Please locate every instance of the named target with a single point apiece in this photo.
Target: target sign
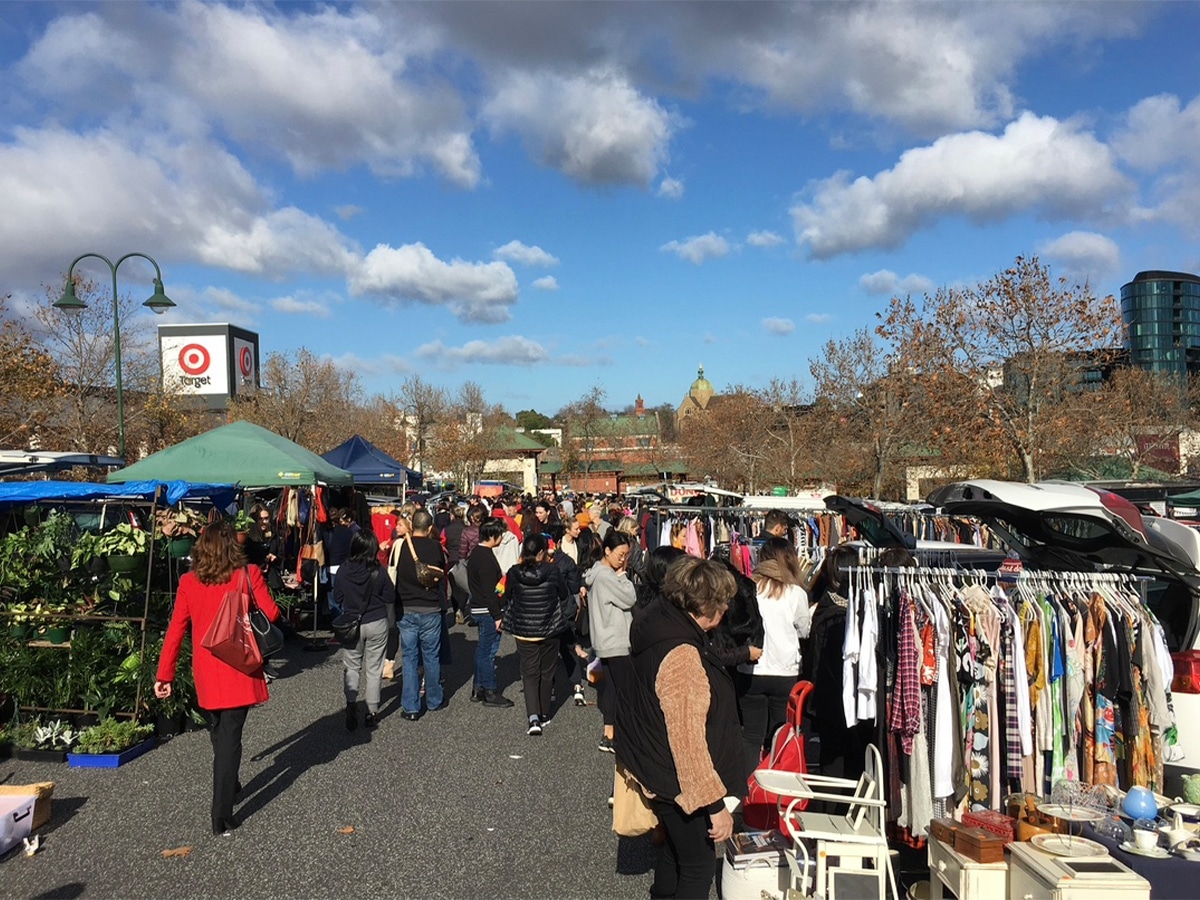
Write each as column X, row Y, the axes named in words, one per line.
column 246, row 361
column 193, row 359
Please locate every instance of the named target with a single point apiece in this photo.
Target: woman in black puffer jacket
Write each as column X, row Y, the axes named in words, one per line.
column 535, row 597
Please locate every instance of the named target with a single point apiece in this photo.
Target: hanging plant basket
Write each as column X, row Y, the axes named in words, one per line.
column 122, row 563
column 180, row 547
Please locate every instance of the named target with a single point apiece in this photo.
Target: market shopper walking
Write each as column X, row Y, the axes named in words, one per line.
column 362, row 589
column 610, row 599
column 421, row 610
column 535, row 613
column 224, row 693
column 483, row 581
column 677, row 729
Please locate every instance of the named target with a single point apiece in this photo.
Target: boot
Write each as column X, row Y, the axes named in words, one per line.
column 496, row 699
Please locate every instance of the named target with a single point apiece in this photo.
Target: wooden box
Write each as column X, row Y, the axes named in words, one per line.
column 990, row 820
column 943, row 830
column 978, row 845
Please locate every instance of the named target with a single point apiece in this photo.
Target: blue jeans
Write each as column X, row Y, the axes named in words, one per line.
column 421, row 633
column 485, row 653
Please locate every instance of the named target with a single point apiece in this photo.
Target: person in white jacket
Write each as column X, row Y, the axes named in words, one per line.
column 610, row 599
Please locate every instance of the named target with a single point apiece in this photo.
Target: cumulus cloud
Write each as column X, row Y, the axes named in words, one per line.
column 774, row 325
column 596, row 127
column 671, row 188
column 294, row 306
column 511, row 350
column 1159, row 136
column 1083, row 255
column 385, row 364
column 1037, row 164
column 764, row 239
column 546, row 283
column 699, row 248
column 888, row 283
column 281, row 241
column 818, row 318
column 474, row 292
column 347, row 211
column 515, row 251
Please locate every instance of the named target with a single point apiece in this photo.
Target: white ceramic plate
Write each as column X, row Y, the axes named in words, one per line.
column 1187, row 810
column 1152, row 853
column 1065, row 845
column 1070, row 813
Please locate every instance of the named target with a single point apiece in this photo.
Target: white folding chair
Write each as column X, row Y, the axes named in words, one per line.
column 856, row 840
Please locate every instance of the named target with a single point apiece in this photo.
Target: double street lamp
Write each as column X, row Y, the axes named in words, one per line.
column 159, row 303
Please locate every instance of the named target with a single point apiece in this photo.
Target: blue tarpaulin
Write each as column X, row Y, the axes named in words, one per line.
column 13, row 493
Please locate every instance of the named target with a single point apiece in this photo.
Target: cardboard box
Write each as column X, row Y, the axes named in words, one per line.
column 16, row 820
column 42, row 790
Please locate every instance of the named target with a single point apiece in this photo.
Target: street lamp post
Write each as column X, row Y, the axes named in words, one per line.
column 159, row 303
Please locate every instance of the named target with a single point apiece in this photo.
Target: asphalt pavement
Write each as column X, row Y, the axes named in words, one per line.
column 459, row 804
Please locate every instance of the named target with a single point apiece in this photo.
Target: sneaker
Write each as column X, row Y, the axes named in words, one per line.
column 605, row 745
column 535, row 726
column 370, row 720
column 495, row 699
column 459, row 619
column 478, row 695
column 580, row 700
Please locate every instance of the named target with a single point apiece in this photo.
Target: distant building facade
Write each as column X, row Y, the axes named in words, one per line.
column 1161, row 313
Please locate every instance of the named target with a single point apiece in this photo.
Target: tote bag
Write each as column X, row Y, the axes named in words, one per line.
column 230, row 637
column 632, row 815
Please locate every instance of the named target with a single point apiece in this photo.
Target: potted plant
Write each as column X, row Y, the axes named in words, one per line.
column 124, row 546
column 111, row 743
column 54, row 629
column 241, row 525
column 20, row 619
column 179, row 528
column 43, row 743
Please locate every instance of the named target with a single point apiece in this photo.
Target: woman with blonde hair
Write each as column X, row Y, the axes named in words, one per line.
column 786, row 616
column 402, row 530
column 223, row 692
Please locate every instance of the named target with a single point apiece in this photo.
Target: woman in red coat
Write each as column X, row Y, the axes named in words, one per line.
column 223, row 692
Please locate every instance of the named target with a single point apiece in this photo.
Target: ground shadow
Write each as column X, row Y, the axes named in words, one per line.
column 64, row 809
column 316, row 744
column 636, row 856
column 63, row 891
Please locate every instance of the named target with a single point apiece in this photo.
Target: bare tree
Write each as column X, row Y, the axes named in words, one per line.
column 31, row 384
column 728, row 441
column 581, row 421
column 998, row 360
column 422, row 406
column 468, row 435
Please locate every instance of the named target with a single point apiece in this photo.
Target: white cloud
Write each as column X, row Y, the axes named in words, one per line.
column 281, row 241
column 888, row 283
column 347, row 211
column 764, row 239
column 546, row 283
column 671, row 188
column 596, row 128
column 293, row 306
column 515, row 251
column 698, row 249
column 1037, row 165
column 475, row 292
column 1159, row 137
column 511, row 350
column 385, row 364
column 1083, row 255
column 818, row 318
column 642, row 341
column 775, row 325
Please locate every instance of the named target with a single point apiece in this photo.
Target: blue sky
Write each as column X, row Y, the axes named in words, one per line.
column 546, row 197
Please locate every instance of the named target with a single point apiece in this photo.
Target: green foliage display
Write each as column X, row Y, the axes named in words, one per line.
column 112, row 736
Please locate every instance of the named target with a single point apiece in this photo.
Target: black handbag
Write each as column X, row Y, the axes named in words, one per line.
column 346, row 627
column 267, row 634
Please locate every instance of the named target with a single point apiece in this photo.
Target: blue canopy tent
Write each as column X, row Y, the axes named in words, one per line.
column 370, row 465
column 15, row 493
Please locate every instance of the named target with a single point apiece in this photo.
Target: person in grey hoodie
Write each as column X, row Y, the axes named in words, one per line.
column 363, row 587
column 610, row 599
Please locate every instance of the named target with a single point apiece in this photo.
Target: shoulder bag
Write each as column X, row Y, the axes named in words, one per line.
column 346, row 627
column 428, row 576
column 267, row 634
column 230, row 637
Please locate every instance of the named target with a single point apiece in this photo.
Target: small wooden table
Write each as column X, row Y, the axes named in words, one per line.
column 968, row 879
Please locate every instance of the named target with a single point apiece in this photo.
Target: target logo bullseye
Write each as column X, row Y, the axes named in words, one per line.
column 193, row 359
column 245, row 361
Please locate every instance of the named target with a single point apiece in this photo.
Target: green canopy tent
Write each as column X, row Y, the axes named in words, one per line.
column 238, row 453
column 243, row 454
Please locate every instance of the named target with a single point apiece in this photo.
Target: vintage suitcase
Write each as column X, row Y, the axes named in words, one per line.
column 979, row 845
column 943, row 830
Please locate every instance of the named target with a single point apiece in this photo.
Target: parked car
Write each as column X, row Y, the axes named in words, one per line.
column 1066, row 526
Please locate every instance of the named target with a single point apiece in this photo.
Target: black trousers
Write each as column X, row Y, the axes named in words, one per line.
column 762, row 701
column 618, row 670
column 539, row 659
column 566, row 650
column 687, row 862
column 225, row 731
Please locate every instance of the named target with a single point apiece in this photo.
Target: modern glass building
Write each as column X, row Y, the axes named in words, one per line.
column 1161, row 312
